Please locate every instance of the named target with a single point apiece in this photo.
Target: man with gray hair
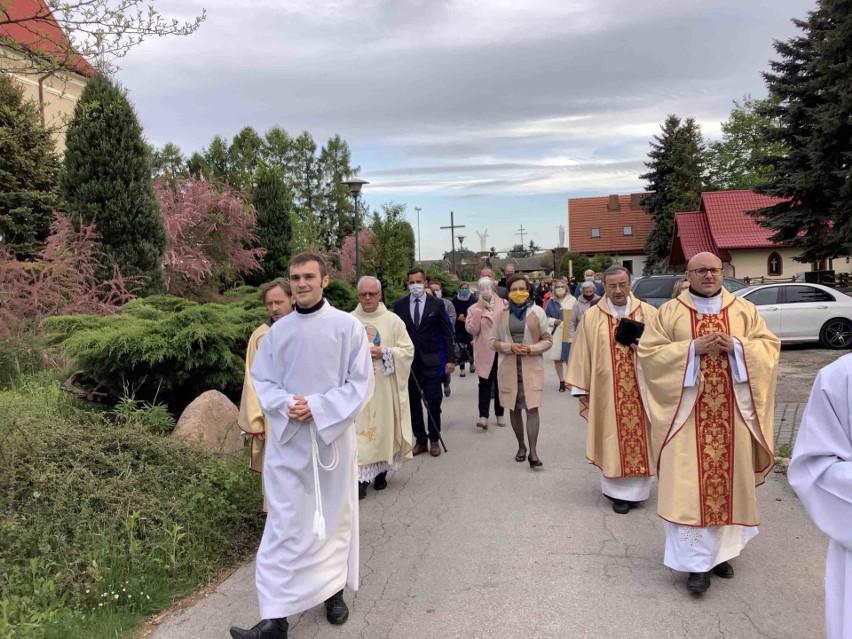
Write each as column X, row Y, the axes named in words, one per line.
column 602, row 371
column 384, row 424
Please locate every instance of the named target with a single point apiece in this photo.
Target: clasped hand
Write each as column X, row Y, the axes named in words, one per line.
column 714, row 341
column 520, row 349
column 299, row 410
column 376, row 352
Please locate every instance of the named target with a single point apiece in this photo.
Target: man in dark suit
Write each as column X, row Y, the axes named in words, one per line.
column 434, row 355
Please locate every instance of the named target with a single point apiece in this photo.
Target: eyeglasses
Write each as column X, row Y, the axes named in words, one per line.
column 701, row 272
column 368, row 294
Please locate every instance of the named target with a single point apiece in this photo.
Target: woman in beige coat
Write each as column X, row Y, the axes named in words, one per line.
column 520, row 336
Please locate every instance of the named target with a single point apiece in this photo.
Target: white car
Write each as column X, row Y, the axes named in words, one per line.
column 804, row 312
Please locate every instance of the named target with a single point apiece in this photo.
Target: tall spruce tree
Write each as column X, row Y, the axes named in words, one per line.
column 677, row 175
column 29, row 174
column 107, row 180
column 811, row 107
column 273, row 200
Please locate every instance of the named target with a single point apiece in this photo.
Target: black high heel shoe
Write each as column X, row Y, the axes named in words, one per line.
column 535, row 463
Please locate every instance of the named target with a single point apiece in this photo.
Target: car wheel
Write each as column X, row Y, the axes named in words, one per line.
column 836, row 334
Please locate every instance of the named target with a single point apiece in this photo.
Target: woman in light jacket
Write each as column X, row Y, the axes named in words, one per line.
column 520, row 335
column 478, row 323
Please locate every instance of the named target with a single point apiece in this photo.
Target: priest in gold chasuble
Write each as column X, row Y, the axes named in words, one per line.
column 278, row 300
column 602, row 372
column 709, row 364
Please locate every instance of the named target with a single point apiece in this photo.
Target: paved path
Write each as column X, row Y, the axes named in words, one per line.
column 788, row 416
column 473, row 544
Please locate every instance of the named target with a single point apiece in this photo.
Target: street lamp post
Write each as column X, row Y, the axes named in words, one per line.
column 355, row 185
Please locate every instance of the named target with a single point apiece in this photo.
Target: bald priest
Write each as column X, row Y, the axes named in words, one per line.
column 710, row 365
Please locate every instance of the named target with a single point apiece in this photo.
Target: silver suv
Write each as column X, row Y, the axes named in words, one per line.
column 656, row 289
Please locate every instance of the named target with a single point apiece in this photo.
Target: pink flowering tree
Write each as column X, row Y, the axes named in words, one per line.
column 347, row 255
column 210, row 231
column 61, row 281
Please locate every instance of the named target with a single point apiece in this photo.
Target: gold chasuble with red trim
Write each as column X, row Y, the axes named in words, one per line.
column 712, row 441
column 617, row 440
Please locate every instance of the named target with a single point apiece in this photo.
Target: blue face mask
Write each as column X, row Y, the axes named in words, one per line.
column 464, row 294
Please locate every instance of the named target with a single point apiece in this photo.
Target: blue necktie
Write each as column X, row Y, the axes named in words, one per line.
column 417, row 311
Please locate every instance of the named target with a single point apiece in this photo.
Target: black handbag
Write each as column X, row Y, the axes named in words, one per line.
column 629, row 331
column 462, row 353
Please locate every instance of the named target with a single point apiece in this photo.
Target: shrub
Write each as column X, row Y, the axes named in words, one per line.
column 19, row 355
column 106, row 181
column 62, row 281
column 161, row 346
column 210, row 229
column 341, row 295
column 104, row 523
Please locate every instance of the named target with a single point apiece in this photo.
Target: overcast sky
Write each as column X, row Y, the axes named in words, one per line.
column 499, row 110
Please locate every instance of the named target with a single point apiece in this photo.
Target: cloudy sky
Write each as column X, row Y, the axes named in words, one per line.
column 499, row 110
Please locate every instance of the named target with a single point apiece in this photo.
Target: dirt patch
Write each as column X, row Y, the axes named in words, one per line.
column 797, row 369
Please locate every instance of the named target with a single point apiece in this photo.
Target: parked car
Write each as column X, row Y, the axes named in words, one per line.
column 657, row 289
column 804, row 312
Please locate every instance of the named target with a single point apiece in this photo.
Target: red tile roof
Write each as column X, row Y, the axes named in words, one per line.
column 729, row 225
column 691, row 236
column 31, row 24
column 587, row 213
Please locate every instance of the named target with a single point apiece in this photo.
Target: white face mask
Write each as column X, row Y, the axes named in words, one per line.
column 560, row 291
column 416, row 289
column 437, row 294
column 590, row 278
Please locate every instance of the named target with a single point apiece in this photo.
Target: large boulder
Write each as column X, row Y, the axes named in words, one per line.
column 210, row 422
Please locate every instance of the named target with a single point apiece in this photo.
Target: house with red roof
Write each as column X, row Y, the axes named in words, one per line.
column 615, row 225
column 38, row 54
column 722, row 226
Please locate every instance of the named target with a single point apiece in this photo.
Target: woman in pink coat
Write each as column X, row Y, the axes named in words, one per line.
column 480, row 319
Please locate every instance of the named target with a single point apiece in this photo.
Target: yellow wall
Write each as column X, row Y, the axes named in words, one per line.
column 753, row 263
column 60, row 93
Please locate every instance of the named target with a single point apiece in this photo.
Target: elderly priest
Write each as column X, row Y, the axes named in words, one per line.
column 602, row 372
column 312, row 375
column 384, row 426
column 710, row 365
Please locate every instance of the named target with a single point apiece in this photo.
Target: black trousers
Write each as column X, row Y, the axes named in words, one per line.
column 429, row 380
column 485, row 388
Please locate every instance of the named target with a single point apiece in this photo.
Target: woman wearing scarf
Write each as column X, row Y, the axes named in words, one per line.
column 478, row 324
column 462, row 303
column 558, row 311
column 520, row 335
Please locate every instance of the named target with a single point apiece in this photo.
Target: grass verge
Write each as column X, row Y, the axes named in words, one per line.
column 102, row 522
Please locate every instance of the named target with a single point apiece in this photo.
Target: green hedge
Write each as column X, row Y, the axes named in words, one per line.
column 103, row 523
column 161, row 347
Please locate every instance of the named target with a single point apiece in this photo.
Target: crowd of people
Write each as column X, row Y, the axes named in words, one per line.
column 336, row 402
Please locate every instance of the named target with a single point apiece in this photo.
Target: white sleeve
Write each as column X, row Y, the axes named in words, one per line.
column 690, row 379
column 737, row 359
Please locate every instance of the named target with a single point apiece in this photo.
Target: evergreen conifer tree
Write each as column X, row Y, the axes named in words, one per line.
column 676, row 178
column 273, row 200
column 107, row 180
column 29, row 172
column 811, row 106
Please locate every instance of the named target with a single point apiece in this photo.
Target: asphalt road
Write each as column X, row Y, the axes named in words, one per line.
column 473, row 544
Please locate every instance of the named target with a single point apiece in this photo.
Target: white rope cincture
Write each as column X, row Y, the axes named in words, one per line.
column 319, row 518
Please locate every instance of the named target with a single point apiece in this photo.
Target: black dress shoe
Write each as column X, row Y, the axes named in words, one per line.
column 266, row 629
column 621, row 507
column 362, row 489
column 381, row 481
column 698, row 582
column 724, row 570
column 335, row 609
